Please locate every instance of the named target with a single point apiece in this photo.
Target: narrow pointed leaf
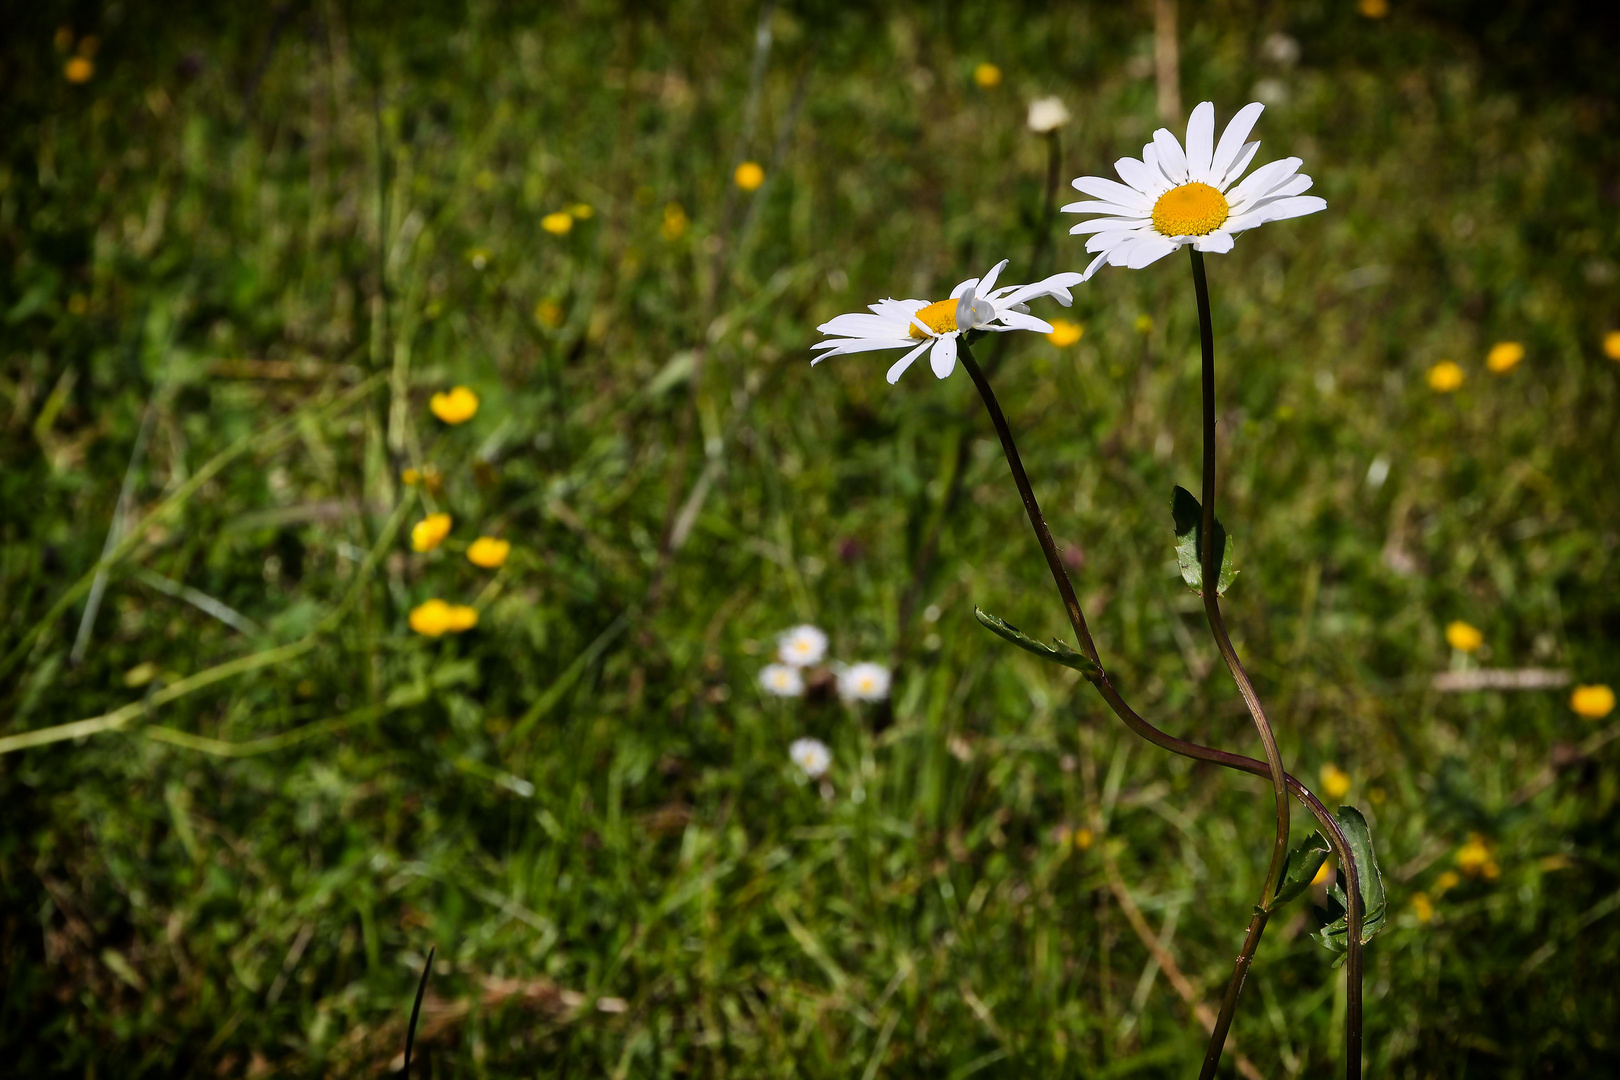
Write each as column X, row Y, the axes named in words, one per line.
column 1303, row 863
column 1335, row 935
column 1189, row 518
column 1059, row 652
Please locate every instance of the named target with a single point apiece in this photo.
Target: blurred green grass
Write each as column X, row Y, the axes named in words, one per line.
column 585, row 803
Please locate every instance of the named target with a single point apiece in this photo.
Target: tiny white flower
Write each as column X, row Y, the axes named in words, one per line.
column 781, row 680
column 975, row 304
column 1173, row 197
column 1047, row 114
column 802, row 646
column 865, row 681
column 811, row 755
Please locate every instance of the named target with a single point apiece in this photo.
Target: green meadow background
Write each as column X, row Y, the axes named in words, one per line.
column 243, row 246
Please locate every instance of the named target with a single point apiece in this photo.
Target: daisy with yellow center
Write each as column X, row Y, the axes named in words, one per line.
column 802, row 646
column 1175, row 196
column 865, row 681
column 975, row 304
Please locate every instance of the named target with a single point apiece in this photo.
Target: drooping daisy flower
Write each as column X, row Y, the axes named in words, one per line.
column 781, row 680
column 802, row 646
column 1175, row 196
column 865, row 681
column 811, row 755
column 975, row 304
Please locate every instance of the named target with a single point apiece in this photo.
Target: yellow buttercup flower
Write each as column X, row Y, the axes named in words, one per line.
column 1084, row 838
column 549, row 313
column 987, row 75
column 582, row 210
column 435, row 618
column 1144, row 324
column 1462, row 637
column 1335, row 781
column 1474, row 857
column 1611, row 344
column 1446, row 882
column 1373, row 9
column 430, row 532
column 488, row 552
column 1422, row 907
column 557, row 224
column 1445, row 377
column 675, row 222
column 1504, row 356
column 457, row 406
column 749, row 176
column 78, row 70
column 1592, row 702
column 1065, row 333
column 1323, row 872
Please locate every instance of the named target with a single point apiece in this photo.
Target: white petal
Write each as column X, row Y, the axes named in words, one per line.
column 1149, row 249
column 857, row 325
column 1298, row 206
column 1056, row 286
column 1299, row 184
column 1104, row 241
column 1245, row 156
column 965, row 286
column 856, row 345
column 904, row 362
column 1218, row 242
column 1113, row 191
column 1231, row 144
column 1100, row 206
column 1103, row 224
column 1200, row 141
column 943, row 358
column 1095, row 263
column 1172, row 162
column 1016, row 320
column 1259, row 184
column 988, row 282
column 1141, row 176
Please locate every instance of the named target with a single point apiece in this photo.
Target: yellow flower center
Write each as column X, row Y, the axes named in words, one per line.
column 940, row 317
column 1190, row 210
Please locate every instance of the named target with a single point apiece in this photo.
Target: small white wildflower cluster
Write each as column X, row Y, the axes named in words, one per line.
column 812, row 756
column 805, row 647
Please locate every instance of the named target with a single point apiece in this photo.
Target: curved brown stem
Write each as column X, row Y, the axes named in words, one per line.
column 1164, row 740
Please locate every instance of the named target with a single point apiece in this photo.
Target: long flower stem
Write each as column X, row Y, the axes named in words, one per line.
column 1161, row 739
column 1211, row 558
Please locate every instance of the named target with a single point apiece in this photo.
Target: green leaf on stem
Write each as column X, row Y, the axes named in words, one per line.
column 1335, row 935
column 1189, row 517
column 1059, row 652
column 1303, row 863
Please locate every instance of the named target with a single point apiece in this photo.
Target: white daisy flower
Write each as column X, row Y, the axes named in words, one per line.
column 865, row 681
column 1174, row 197
column 1047, row 114
column 781, row 680
column 811, row 755
column 976, row 304
column 802, row 646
